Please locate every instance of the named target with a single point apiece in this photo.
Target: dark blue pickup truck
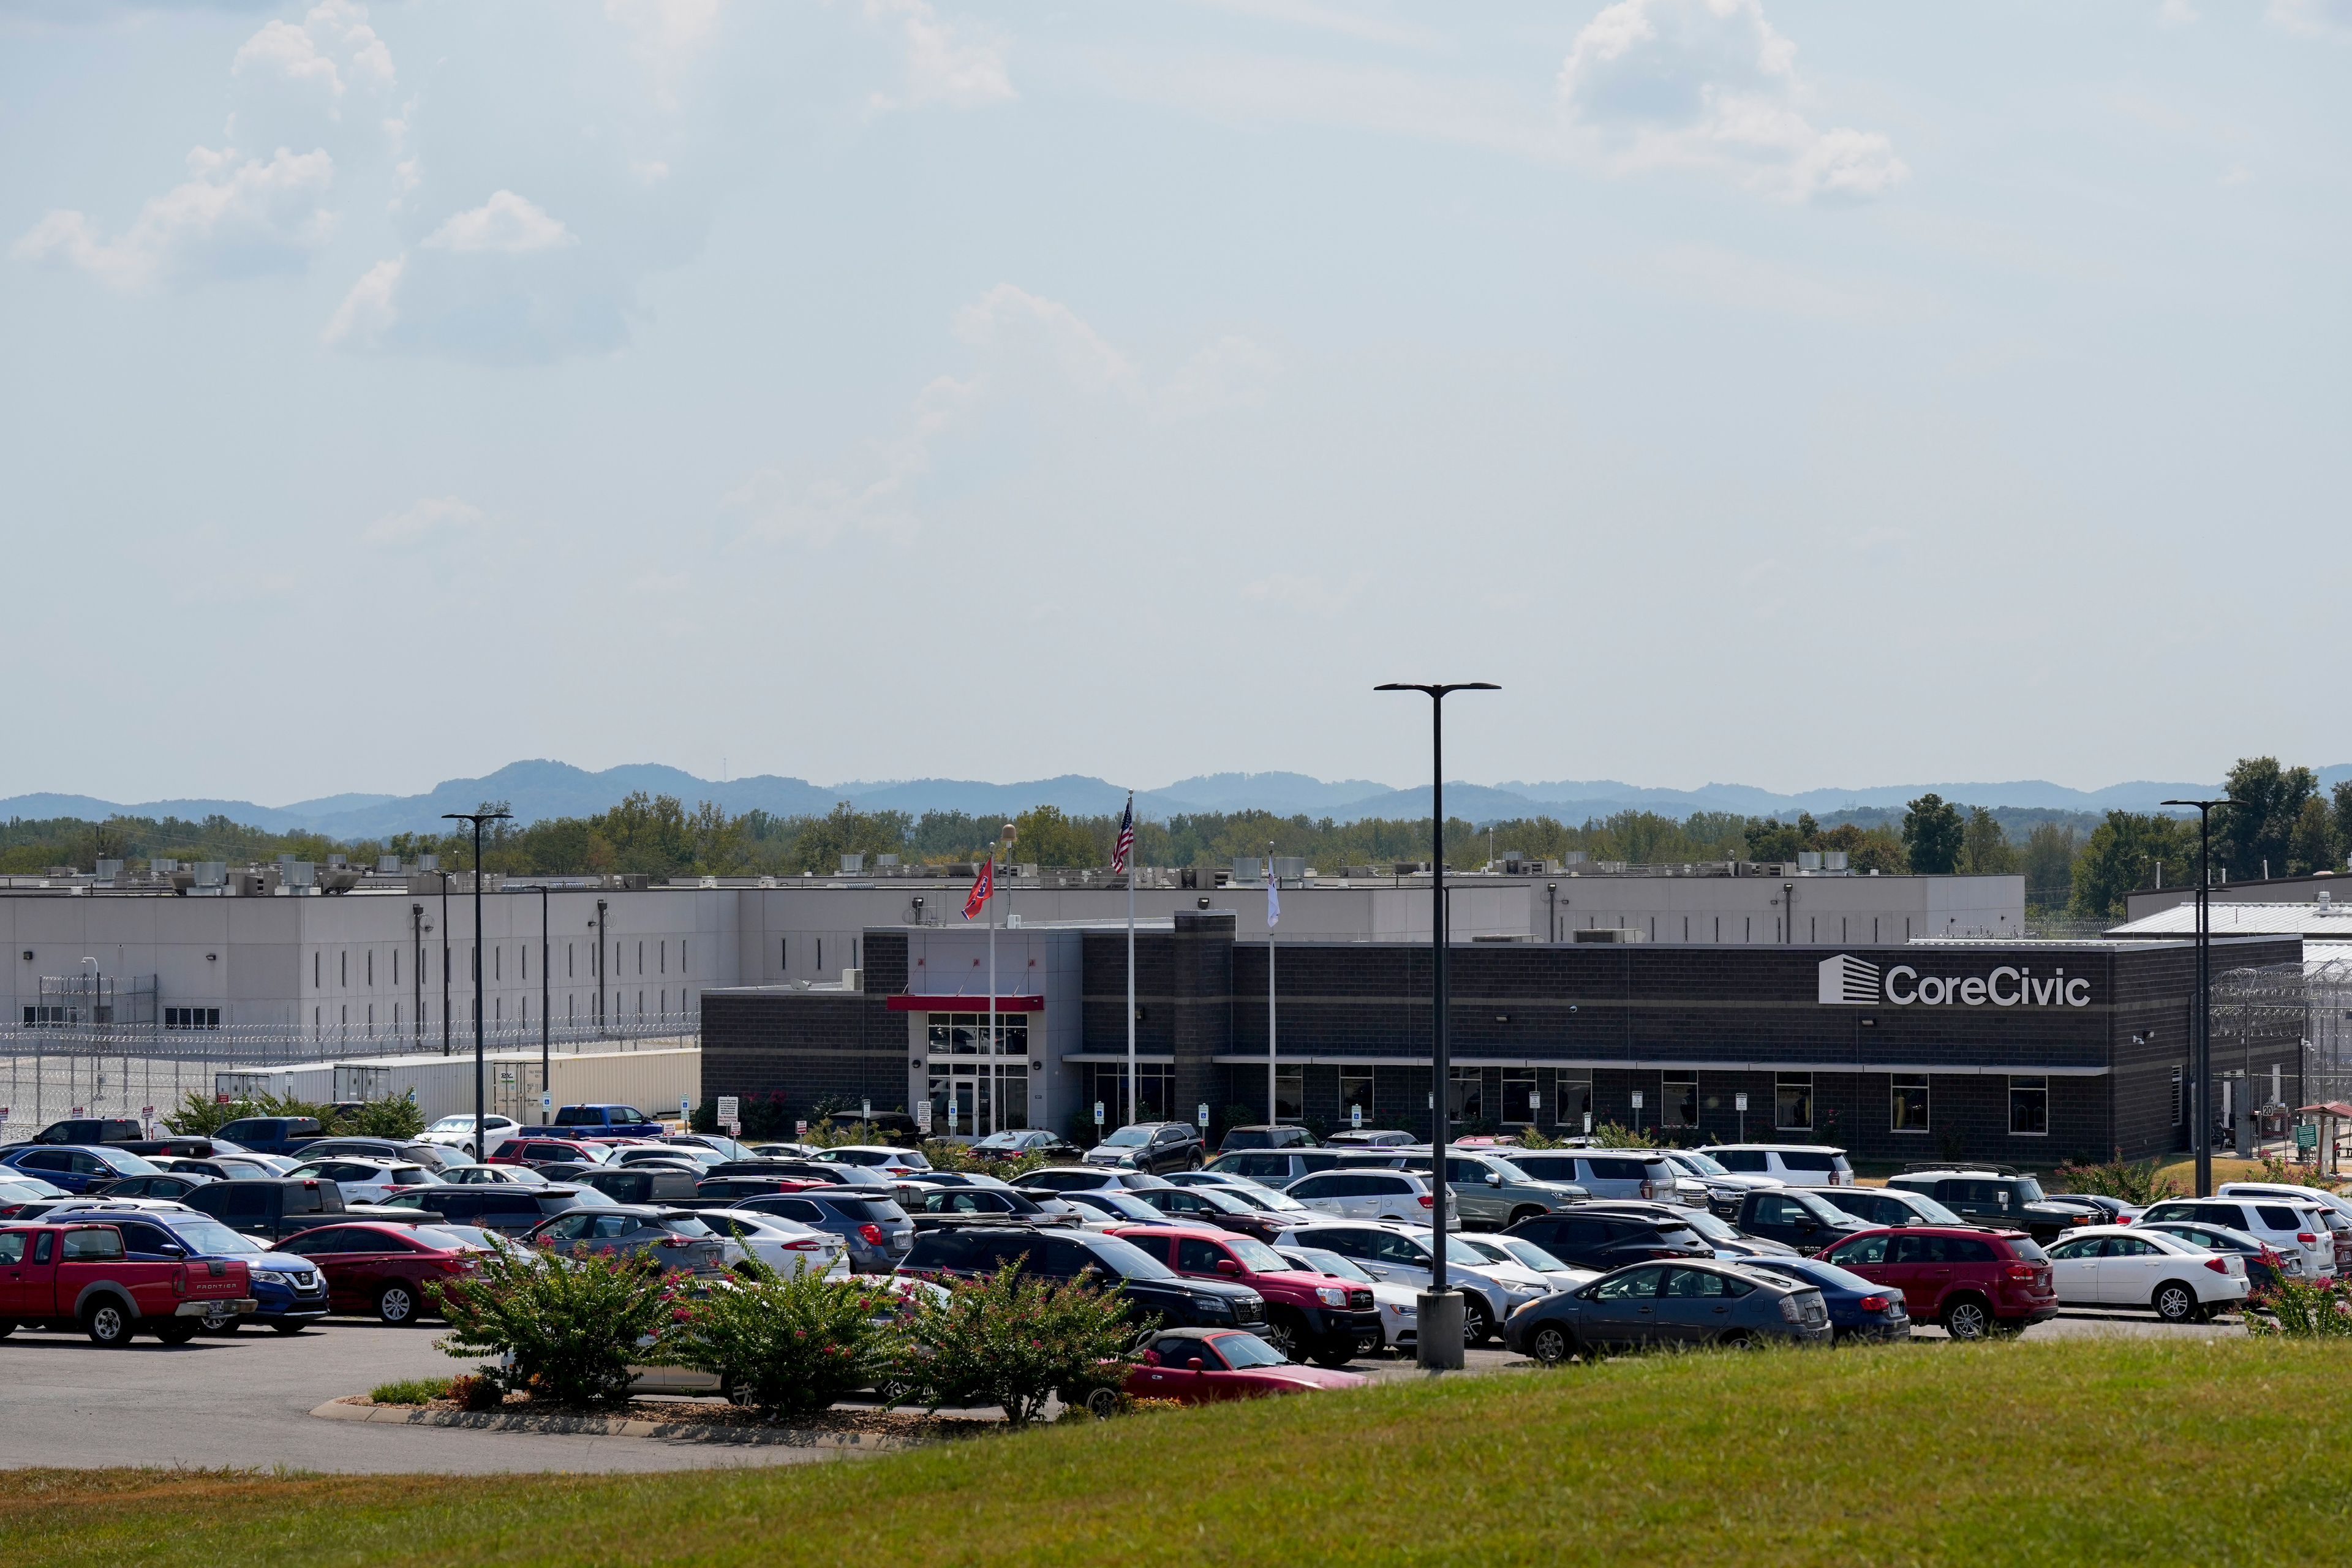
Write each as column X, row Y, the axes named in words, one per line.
column 604, row 1121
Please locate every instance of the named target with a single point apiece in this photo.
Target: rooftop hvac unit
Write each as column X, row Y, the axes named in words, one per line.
column 1290, row 868
column 211, row 873
column 387, row 865
column 1248, row 868
column 1809, row 859
column 1834, row 860
column 1573, row 857
column 886, row 862
column 853, row 862
column 108, row 870
column 300, row 874
column 429, row 862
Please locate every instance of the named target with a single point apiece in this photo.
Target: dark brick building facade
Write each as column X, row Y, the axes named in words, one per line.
column 2025, row 1052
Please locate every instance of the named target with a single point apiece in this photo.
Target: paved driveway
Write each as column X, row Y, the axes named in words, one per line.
column 244, row 1401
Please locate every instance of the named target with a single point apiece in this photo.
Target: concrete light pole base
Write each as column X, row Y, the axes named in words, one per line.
column 1437, row 1331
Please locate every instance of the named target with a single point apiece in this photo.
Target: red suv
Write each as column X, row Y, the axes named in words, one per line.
column 549, row 1152
column 1309, row 1317
column 1975, row 1282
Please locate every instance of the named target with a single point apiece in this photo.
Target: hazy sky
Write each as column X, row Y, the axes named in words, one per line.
column 1791, row 393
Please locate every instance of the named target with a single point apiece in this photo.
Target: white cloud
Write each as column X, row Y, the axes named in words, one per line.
column 1010, row 318
column 2313, row 18
column 669, row 37
column 649, row 171
column 1709, row 84
column 333, row 39
column 369, row 310
column 943, row 66
column 2175, row 13
column 872, row 492
column 508, row 224
column 228, row 218
column 1306, row 594
column 1229, row 373
column 435, row 515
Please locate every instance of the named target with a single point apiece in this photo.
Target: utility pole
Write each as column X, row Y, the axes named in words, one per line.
column 481, row 1144
column 2200, row 1026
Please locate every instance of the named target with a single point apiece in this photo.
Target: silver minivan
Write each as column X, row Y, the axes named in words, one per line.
column 1791, row 1164
column 1644, row 1174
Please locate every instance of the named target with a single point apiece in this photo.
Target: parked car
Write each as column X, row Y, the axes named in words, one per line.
column 2332, row 1208
column 785, row 1246
column 493, row 1176
column 675, row 1238
column 1403, row 1255
column 932, row 1206
column 81, row 1276
column 92, row 1130
column 457, row 1133
column 1798, row 1217
column 1492, row 1191
column 1092, row 1179
column 1605, row 1172
column 1259, row 1136
column 605, row 1121
column 726, row 1147
column 1401, row 1196
column 883, row 1159
column 1702, row 1179
column 1791, row 1164
column 752, row 1186
column 1150, row 1288
column 365, row 1181
column 271, row 1134
column 270, row 1209
column 78, row 1168
column 1367, row 1138
column 20, row 1190
column 876, row 1230
column 1974, row 1281
column 1199, row 1367
column 2284, row 1225
column 1604, row 1239
column 170, row 1184
column 1683, row 1304
column 2265, row 1264
column 1220, row 1210
column 223, row 1167
column 532, row 1149
column 2133, row 1265
column 1998, row 1196
column 386, row 1269
column 510, row 1210
column 1310, row 1316
column 1888, row 1206
column 815, row 1172
column 1270, row 1199
column 1020, row 1143
column 397, row 1150
column 697, row 1159
column 1103, row 1208
column 1859, row 1308
column 1397, row 1305
column 643, row 1184
column 1156, row 1147
column 1517, row 1249
column 2117, row 1212
column 1276, row 1168
column 287, row 1292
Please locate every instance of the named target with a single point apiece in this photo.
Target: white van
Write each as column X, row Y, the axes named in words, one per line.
column 1791, row 1164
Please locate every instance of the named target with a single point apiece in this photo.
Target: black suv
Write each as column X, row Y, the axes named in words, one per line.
column 509, row 1209
column 1156, row 1147
column 272, row 1209
column 646, row 1183
column 1152, row 1289
column 2000, row 1197
column 1607, row 1241
column 92, row 1130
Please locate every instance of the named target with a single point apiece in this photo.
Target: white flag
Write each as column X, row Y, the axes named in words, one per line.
column 1272, row 896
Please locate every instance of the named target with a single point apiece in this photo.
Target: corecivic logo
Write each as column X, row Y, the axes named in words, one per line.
column 1850, row 981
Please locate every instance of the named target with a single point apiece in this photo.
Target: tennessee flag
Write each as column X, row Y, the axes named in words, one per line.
column 982, row 886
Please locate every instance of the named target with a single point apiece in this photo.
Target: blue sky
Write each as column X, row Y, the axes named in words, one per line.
column 1784, row 393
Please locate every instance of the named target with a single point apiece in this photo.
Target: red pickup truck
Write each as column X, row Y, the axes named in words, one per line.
column 75, row 1276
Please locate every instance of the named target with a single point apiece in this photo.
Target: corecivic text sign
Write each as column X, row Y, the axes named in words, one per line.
column 1850, row 981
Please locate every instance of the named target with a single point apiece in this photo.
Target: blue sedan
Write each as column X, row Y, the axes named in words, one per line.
column 78, row 1167
column 1859, row 1308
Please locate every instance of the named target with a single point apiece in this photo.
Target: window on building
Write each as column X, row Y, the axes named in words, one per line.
column 371, row 966
column 570, row 971
column 1679, row 1102
column 682, row 969
column 2029, row 1106
column 820, row 956
column 344, row 969
column 525, row 950
column 1355, row 1090
column 1289, row 1093
column 1466, row 1096
column 42, row 1017
column 395, row 966
column 314, row 971
column 498, row 963
column 1907, row 1108
column 2175, row 1097
column 665, row 955
column 185, row 1018
column 641, row 957
column 1155, row 1091
column 784, row 953
column 1792, row 1102
column 1519, row 1088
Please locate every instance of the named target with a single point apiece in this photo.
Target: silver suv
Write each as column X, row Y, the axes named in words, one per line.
column 1644, row 1174
column 1492, row 1191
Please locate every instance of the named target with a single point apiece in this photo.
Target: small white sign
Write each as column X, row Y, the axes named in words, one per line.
column 866, row 1110
column 730, row 1109
column 1356, row 1116
column 1535, row 1101
column 1202, row 1116
column 1740, row 1102
column 800, row 1130
column 734, row 1130
column 1098, row 1113
column 547, row 1102
column 686, row 1110
column 1637, row 1100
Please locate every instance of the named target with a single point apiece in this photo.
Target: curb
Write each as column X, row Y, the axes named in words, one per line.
column 615, row 1427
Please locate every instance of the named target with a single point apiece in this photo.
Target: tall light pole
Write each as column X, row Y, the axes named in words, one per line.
column 546, row 995
column 1438, row 1344
column 445, row 972
column 482, row 1143
column 2200, row 1026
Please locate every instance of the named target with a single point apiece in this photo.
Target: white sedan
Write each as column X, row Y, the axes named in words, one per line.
column 782, row 1245
column 1529, row 1257
column 457, row 1133
column 2131, row 1265
column 363, row 1181
column 1397, row 1304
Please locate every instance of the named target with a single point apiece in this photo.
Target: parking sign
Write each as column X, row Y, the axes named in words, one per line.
column 730, row 1108
column 1356, row 1116
column 1098, row 1113
column 1202, row 1115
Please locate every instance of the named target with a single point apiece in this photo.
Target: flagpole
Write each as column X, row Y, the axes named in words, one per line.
column 1273, row 918
column 1130, row 971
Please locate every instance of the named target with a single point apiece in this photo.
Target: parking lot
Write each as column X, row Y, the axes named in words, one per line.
column 244, row 1402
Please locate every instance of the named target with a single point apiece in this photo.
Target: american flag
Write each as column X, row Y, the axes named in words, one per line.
column 982, row 886
column 1126, row 845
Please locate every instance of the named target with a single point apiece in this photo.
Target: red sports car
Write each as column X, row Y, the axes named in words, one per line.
column 383, row 1268
column 1197, row 1365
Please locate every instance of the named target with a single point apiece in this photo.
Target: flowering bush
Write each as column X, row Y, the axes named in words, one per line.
column 2136, row 1182
column 567, row 1330
column 2298, row 1309
column 792, row 1346
column 1015, row 1341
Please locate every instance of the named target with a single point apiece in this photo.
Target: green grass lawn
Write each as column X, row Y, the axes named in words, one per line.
column 2072, row 1451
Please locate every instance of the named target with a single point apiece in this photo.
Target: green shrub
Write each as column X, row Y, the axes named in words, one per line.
column 570, row 1328
column 2299, row 1310
column 827, row 1133
column 410, row 1391
column 474, row 1392
column 2136, row 1182
column 1012, row 1340
column 795, row 1346
column 947, row 1154
column 201, row 1115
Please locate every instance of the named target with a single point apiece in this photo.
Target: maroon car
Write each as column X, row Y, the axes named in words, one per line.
column 1972, row 1280
column 549, row 1152
column 384, row 1268
column 1309, row 1317
column 1198, row 1365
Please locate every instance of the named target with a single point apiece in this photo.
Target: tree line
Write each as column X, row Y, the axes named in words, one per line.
column 2073, row 864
